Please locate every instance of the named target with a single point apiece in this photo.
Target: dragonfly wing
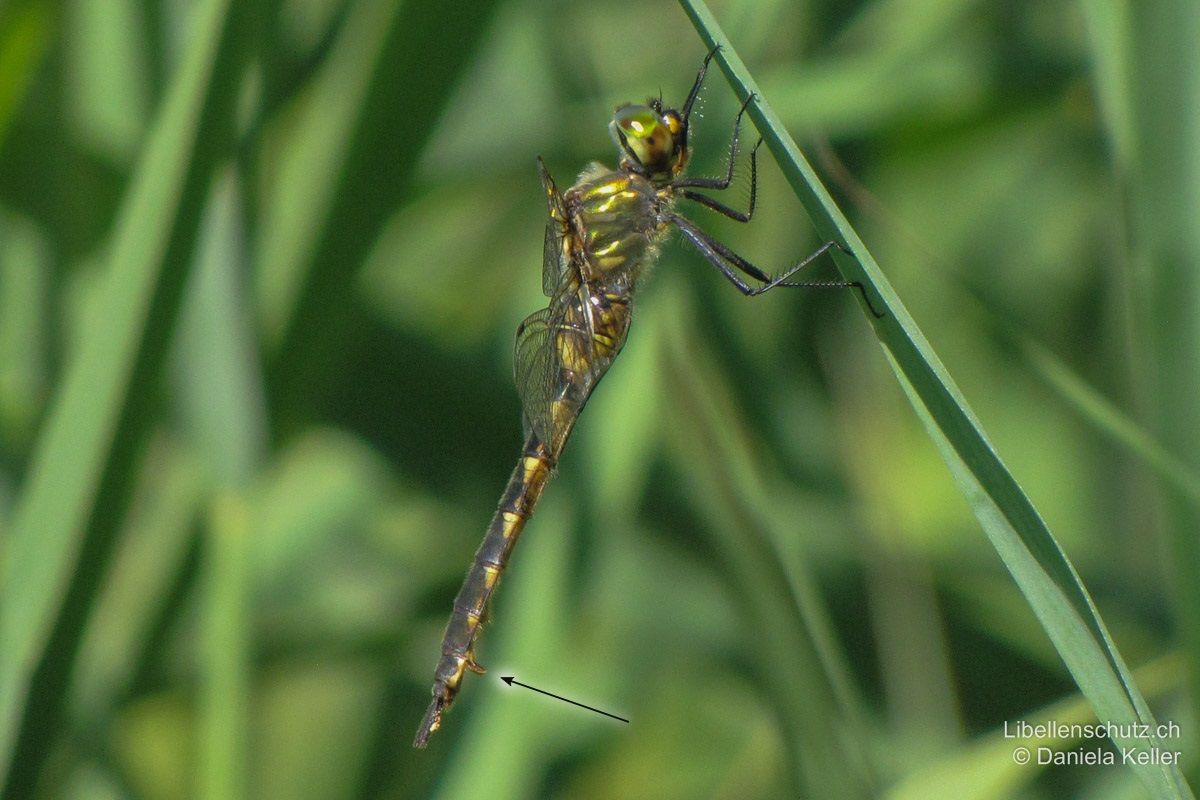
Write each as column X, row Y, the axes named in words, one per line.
column 555, row 369
column 554, row 260
column 535, row 373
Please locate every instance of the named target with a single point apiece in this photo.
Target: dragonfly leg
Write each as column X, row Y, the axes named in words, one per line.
column 721, row 208
column 695, row 92
column 721, row 184
column 730, row 263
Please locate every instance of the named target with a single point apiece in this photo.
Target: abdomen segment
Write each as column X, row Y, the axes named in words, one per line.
column 458, row 644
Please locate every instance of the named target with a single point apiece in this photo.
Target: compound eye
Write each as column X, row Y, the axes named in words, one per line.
column 638, row 122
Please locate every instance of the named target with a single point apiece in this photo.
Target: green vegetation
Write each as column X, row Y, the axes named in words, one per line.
column 261, row 263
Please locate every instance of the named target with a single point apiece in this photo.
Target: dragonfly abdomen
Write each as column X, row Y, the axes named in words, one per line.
column 516, row 505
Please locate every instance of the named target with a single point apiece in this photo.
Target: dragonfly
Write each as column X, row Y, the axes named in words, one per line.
column 602, row 235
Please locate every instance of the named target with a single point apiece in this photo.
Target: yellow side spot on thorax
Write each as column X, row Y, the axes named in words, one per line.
column 608, row 249
column 615, row 200
column 607, row 188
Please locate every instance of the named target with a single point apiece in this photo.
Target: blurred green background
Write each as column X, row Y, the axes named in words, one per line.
column 261, row 264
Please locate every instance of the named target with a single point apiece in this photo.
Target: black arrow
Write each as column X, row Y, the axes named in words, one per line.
column 510, row 680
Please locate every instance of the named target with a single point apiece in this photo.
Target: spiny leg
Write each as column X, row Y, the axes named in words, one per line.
column 721, row 208
column 695, row 92
column 718, row 254
column 727, row 261
column 720, row 184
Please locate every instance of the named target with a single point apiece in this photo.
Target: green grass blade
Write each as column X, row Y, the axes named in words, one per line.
column 1107, row 24
column 125, row 633
column 1100, row 412
column 74, row 493
column 782, row 608
column 1110, row 420
column 985, row 769
column 225, row 695
column 26, row 34
column 312, row 163
column 221, row 394
column 1164, row 195
column 217, row 368
column 1032, row 555
column 22, row 329
column 395, row 116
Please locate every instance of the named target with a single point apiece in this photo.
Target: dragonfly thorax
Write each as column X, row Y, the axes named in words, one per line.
column 616, row 221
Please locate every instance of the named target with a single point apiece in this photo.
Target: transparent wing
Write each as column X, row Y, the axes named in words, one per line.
column 535, row 372
column 555, row 369
column 554, row 261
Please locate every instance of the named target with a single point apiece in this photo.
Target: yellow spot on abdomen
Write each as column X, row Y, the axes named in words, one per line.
column 533, row 466
column 460, row 665
column 512, row 523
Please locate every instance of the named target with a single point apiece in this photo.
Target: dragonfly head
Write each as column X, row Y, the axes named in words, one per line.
column 653, row 140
